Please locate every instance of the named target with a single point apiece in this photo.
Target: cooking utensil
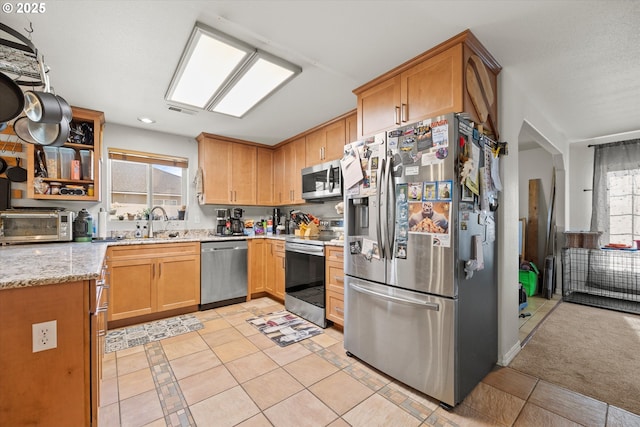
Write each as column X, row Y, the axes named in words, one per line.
column 21, row 129
column 53, row 134
column 42, row 107
column 12, row 99
column 17, row 173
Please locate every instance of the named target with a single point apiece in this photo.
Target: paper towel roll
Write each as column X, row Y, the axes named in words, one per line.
column 102, row 224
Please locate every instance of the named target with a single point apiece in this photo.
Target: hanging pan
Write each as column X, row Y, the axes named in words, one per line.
column 45, row 106
column 21, row 129
column 17, row 173
column 53, row 134
column 12, row 99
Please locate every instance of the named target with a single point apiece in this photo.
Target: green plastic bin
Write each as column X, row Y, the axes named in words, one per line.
column 529, row 280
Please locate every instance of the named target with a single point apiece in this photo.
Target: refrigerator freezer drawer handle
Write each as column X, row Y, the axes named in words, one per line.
column 427, row 305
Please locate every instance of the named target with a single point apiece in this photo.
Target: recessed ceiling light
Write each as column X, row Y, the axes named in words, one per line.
column 146, row 120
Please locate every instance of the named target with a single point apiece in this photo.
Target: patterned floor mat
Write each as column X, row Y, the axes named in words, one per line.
column 284, row 328
column 123, row 338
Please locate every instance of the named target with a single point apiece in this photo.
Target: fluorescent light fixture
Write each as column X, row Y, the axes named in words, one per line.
column 222, row 74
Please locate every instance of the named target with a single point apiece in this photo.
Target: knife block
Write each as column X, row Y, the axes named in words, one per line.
column 311, row 230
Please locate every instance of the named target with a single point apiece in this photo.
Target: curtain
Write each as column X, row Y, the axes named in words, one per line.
column 617, row 156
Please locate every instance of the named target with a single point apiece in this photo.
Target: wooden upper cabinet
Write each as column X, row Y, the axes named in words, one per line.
column 279, row 188
column 229, row 170
column 379, row 107
column 433, row 87
column 289, row 160
column 325, row 143
column 264, row 173
column 351, row 128
column 427, row 86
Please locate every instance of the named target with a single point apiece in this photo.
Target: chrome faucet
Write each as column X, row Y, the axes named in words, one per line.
column 164, row 218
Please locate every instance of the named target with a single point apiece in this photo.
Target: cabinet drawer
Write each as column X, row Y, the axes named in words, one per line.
column 334, row 254
column 335, row 307
column 278, row 246
column 153, row 250
column 335, row 279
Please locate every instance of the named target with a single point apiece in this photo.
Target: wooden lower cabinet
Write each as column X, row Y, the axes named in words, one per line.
column 334, row 275
column 256, row 266
column 50, row 387
column 149, row 279
column 266, row 267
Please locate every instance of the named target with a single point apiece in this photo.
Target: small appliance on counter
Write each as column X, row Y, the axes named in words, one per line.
column 83, row 227
column 222, row 218
column 35, row 225
column 237, row 225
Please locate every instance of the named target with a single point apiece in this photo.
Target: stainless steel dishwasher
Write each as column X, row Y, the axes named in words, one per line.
column 223, row 273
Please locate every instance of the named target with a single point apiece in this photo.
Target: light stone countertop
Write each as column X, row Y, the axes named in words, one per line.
column 48, row 263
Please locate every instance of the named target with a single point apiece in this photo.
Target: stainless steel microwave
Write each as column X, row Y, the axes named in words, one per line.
column 323, row 181
column 33, row 226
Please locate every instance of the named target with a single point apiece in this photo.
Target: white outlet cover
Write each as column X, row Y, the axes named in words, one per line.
column 44, row 335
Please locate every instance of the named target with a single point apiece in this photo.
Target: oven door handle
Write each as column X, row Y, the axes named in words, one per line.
column 305, row 249
column 423, row 304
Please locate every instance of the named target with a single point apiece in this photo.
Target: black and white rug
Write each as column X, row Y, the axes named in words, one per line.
column 123, row 338
column 284, row 328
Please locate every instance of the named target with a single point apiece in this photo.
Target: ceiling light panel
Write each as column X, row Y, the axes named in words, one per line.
column 262, row 78
column 222, row 74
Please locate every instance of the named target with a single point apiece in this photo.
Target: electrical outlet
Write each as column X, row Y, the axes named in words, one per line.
column 45, row 335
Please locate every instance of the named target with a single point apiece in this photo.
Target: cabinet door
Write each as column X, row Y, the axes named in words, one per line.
column 351, row 128
column 132, row 291
column 433, row 87
column 178, row 281
column 269, row 275
column 298, row 163
column 215, row 159
column 379, row 107
column 335, row 140
column 256, row 264
column 279, row 273
column 264, row 180
column 279, row 187
column 243, row 178
column 335, row 284
column 315, row 143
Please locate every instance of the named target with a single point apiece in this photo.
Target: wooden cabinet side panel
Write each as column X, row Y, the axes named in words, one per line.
column 178, row 282
column 37, row 388
column 433, row 87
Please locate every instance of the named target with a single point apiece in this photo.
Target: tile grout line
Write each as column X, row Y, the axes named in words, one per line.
column 174, row 405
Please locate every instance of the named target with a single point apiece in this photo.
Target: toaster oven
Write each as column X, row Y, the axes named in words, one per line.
column 33, row 226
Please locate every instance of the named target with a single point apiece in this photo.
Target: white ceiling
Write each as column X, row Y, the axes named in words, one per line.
column 578, row 61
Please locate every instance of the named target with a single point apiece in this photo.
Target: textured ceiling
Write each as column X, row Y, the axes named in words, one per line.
column 577, row 61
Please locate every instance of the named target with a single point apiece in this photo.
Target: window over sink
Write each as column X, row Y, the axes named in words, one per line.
column 139, row 181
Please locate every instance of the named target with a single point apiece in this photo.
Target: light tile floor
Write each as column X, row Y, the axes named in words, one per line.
column 229, row 374
column 538, row 307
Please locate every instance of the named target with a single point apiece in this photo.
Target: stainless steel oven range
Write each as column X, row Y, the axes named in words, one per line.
column 305, row 272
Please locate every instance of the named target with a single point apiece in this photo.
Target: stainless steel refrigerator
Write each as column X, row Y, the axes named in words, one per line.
column 420, row 274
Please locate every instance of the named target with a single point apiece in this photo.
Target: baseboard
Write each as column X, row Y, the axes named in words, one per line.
column 511, row 354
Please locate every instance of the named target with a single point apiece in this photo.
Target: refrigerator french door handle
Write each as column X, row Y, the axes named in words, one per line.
column 422, row 304
column 391, row 209
column 380, row 222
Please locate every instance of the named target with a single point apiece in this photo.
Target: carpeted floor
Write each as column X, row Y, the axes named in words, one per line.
column 588, row 350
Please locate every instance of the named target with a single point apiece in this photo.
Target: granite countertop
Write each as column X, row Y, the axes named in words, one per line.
column 48, row 263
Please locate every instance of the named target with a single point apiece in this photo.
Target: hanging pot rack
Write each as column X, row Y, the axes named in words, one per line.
column 20, row 58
